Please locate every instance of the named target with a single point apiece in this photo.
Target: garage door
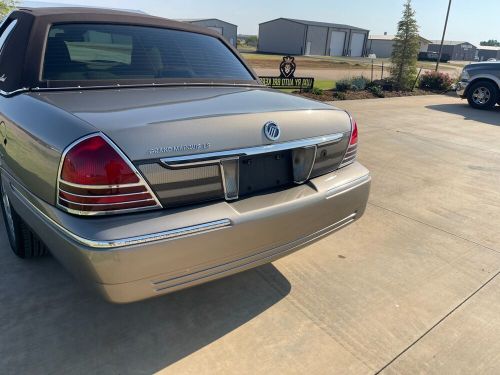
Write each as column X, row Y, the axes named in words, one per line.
column 357, row 42
column 337, row 42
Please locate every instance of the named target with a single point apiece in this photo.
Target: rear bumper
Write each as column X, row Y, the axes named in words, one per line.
column 133, row 257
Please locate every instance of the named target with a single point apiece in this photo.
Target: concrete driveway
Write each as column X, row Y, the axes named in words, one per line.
column 413, row 287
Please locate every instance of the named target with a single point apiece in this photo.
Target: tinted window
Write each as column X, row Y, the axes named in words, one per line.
column 116, row 52
column 6, row 33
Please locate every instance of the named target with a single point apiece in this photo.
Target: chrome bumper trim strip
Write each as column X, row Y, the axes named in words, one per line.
column 333, row 192
column 162, row 285
column 128, row 241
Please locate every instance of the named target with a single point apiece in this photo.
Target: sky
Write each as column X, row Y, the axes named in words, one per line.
column 470, row 20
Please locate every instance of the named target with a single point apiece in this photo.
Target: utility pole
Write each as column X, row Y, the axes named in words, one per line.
column 442, row 39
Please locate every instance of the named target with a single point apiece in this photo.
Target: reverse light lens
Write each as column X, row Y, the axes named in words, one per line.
column 303, row 161
column 95, row 178
column 230, row 177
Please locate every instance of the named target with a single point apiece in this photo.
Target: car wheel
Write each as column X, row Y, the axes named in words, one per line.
column 23, row 241
column 482, row 95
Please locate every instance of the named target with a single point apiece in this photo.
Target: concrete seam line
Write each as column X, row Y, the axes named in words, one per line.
column 433, row 141
column 434, row 227
column 314, row 320
column 273, row 284
column 438, row 323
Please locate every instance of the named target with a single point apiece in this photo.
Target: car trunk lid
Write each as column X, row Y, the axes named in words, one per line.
column 157, row 124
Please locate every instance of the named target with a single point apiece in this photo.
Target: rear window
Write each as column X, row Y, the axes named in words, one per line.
column 6, row 32
column 79, row 52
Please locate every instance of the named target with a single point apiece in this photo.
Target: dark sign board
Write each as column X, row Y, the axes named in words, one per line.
column 288, row 83
column 287, row 80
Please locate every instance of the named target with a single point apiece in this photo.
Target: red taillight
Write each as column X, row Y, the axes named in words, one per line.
column 96, row 178
column 354, row 133
column 350, row 155
column 94, row 162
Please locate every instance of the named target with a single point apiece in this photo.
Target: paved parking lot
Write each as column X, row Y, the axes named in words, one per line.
column 413, row 287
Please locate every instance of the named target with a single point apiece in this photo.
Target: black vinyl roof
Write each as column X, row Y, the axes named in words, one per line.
column 44, row 11
column 85, row 14
column 22, row 65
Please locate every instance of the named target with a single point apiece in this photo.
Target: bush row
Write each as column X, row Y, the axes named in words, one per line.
column 354, row 84
column 430, row 80
column 359, row 84
column 436, row 81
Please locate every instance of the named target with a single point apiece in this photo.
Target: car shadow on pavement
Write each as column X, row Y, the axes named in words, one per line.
column 491, row 117
column 50, row 324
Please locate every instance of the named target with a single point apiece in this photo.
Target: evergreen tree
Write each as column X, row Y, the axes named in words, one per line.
column 406, row 48
column 491, row 42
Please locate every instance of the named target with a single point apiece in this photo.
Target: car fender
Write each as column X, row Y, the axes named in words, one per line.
column 490, row 77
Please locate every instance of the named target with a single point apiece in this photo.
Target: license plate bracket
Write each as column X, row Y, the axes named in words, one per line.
column 265, row 172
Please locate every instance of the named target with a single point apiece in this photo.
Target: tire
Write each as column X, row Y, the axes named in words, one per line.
column 23, row 241
column 483, row 95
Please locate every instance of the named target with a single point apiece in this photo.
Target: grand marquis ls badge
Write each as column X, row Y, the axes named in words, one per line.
column 180, row 148
column 272, row 131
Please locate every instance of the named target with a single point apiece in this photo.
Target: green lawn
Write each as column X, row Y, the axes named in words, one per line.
column 324, row 84
column 318, row 83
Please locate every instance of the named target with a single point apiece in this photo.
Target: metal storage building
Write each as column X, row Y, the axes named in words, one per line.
column 488, row 52
column 299, row 37
column 382, row 45
column 228, row 30
column 457, row 50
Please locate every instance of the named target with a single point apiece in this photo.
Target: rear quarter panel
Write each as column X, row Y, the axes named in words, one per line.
column 34, row 135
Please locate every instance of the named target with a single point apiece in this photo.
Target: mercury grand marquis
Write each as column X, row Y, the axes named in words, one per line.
column 146, row 156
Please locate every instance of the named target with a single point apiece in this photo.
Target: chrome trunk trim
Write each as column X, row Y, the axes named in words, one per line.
column 222, row 158
column 144, row 85
column 10, row 93
column 214, row 157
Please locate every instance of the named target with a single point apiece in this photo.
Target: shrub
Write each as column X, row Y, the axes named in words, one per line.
column 376, row 90
column 316, row 91
column 437, row 81
column 343, row 85
column 359, row 83
column 387, row 84
column 339, row 95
